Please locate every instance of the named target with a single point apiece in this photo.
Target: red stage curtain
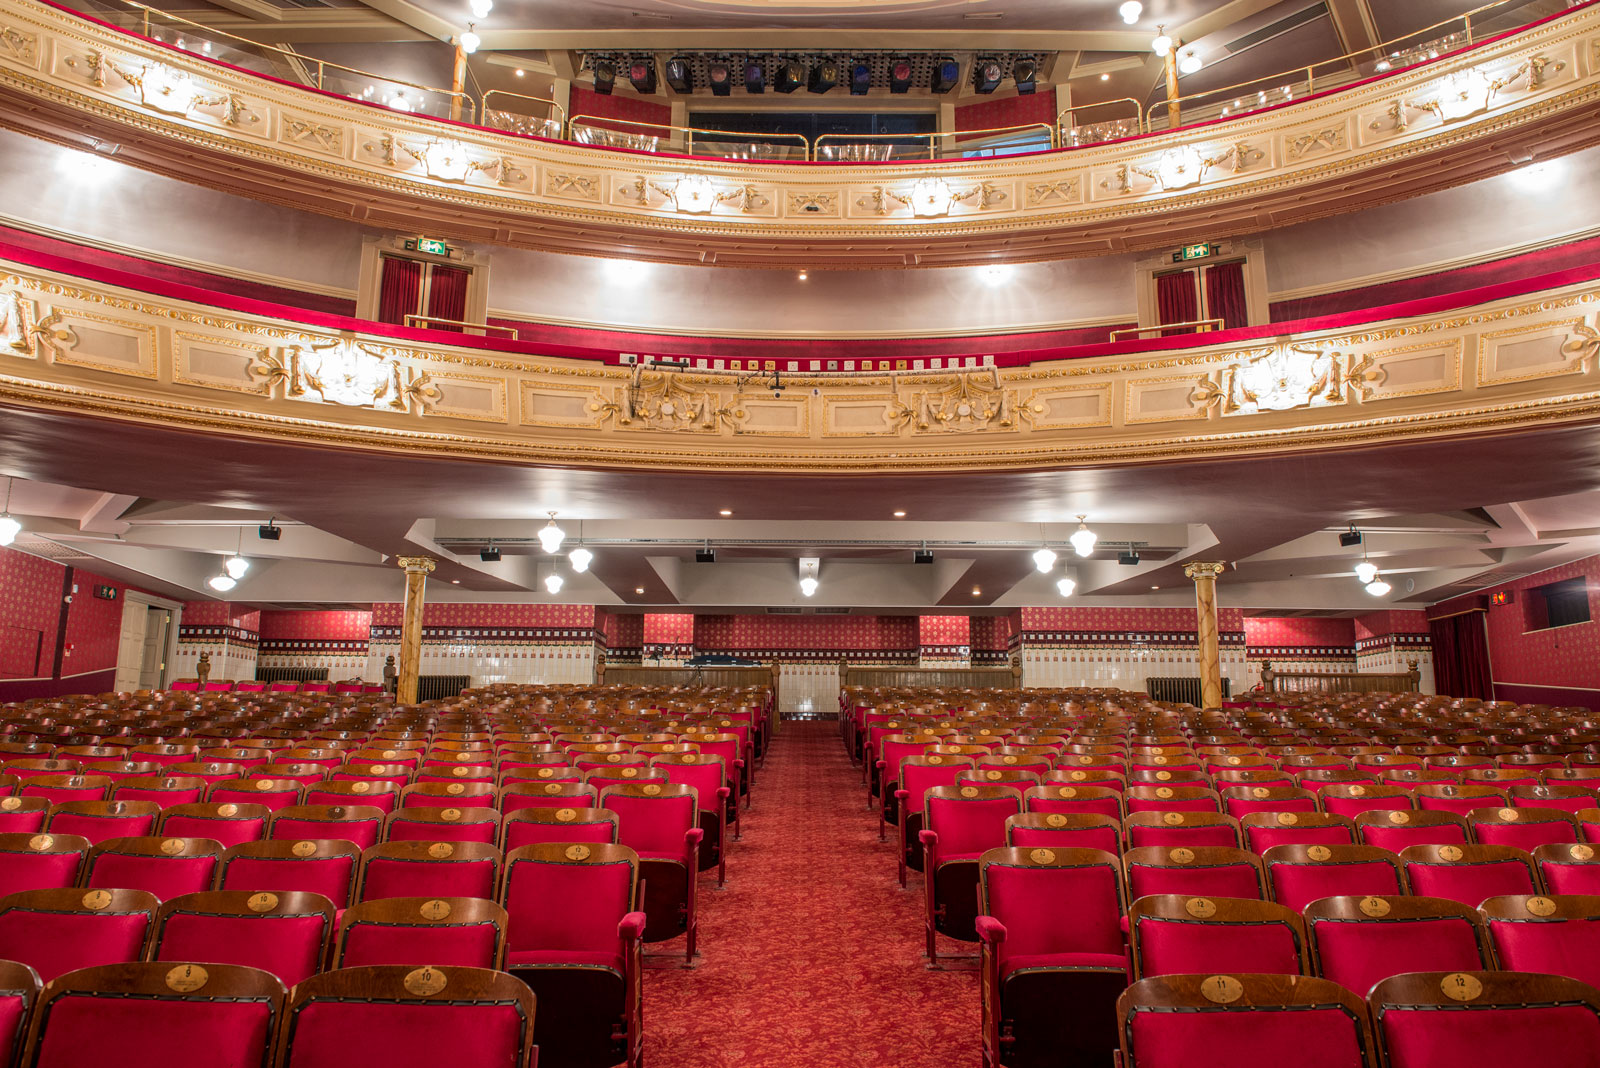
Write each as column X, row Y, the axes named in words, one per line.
column 1177, row 300
column 1461, row 656
column 1225, row 295
column 447, row 294
column 399, row 291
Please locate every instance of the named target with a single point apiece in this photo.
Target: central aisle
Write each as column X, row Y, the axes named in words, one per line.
column 812, row 957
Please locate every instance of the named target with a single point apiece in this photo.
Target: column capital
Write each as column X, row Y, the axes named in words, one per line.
column 419, row 565
column 1199, row 570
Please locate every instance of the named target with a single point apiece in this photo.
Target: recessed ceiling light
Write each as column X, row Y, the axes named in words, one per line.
column 455, row 582
column 638, row 589
column 1105, row 77
column 977, row 591
column 521, row 72
column 1155, row 587
column 975, row 16
column 803, row 276
column 726, row 511
column 899, row 515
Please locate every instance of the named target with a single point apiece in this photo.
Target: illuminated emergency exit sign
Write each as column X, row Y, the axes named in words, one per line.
column 1193, row 252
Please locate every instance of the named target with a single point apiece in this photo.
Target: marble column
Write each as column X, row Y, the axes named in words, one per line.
column 417, row 569
column 1205, row 602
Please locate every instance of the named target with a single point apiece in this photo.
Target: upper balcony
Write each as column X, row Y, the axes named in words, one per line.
column 1327, row 143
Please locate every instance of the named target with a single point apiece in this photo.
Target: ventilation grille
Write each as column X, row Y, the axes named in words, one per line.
column 32, row 543
column 1278, row 29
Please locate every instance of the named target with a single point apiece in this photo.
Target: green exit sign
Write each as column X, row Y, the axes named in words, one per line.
column 432, row 246
column 1194, row 252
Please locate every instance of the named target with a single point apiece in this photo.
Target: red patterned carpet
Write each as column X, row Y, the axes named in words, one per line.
column 812, row 956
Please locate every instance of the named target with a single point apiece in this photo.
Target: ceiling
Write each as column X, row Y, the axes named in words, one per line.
column 1084, row 45
column 161, row 509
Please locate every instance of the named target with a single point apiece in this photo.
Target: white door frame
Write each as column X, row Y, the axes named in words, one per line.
column 156, row 601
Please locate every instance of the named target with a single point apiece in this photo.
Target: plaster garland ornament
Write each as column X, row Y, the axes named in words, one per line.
column 169, row 89
column 974, row 401
column 346, row 373
column 1279, row 379
column 659, row 401
column 1465, row 93
column 16, row 324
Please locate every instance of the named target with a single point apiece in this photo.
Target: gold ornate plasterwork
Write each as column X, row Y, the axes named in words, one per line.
column 181, row 366
column 340, row 146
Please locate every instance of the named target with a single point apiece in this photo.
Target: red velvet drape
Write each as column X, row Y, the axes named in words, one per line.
column 1177, row 299
column 399, row 290
column 1225, row 295
column 1461, row 656
column 447, row 294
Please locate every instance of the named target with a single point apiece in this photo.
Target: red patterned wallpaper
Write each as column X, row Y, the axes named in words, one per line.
column 1383, row 624
column 1002, row 111
column 821, row 633
column 669, row 628
column 1271, row 632
column 1229, row 620
column 1563, row 656
column 94, row 627
column 443, row 614
column 992, row 634
column 624, row 630
column 618, row 106
column 351, row 625
column 30, row 607
column 944, row 630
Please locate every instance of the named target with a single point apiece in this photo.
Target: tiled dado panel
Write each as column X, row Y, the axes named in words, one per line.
column 1104, row 659
column 1535, row 362
column 400, row 162
column 492, row 659
column 234, row 651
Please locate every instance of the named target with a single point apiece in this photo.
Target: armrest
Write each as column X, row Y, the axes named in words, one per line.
column 724, row 792
column 990, row 930
column 631, row 929
column 693, row 836
column 928, row 838
column 901, row 794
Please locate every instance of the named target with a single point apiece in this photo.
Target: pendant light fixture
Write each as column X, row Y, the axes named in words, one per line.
column 1045, row 558
column 551, row 536
column 1083, row 539
column 9, row 528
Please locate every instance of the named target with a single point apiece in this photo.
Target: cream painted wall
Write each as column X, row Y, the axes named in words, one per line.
column 118, row 205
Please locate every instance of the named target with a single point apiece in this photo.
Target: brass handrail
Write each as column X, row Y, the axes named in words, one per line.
column 933, row 138
column 1201, row 326
column 1308, row 70
column 592, row 122
column 562, row 120
column 425, row 321
column 321, row 65
column 1138, row 114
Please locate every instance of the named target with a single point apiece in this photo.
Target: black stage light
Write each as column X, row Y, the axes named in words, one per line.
column 642, row 73
column 922, row 556
column 986, row 74
column 1025, row 72
column 1129, row 556
column 900, row 75
column 860, row 78
column 721, row 78
column 489, row 554
column 705, row 556
column 605, row 76
column 824, row 76
column 946, row 75
column 270, row 532
column 679, row 76
column 1350, row 538
column 755, row 77
column 791, row 76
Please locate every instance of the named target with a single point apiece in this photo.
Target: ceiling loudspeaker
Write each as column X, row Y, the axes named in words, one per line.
column 922, row 556
column 705, row 556
column 270, row 532
column 489, row 554
column 1350, row 538
column 1129, row 557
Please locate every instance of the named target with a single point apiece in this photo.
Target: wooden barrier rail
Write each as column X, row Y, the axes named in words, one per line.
column 1408, row 681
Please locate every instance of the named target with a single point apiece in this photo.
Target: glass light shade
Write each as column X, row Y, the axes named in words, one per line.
column 551, row 536
column 1189, row 63
column 1378, row 588
column 481, row 8
column 1044, row 560
column 1131, row 11
column 808, row 585
column 1366, row 571
column 221, row 583
column 1083, row 540
column 1065, row 587
column 236, row 566
column 553, row 583
column 1161, row 45
column 470, row 42
column 9, row 529
column 580, row 558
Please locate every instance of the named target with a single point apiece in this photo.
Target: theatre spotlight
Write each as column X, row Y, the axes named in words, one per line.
column 922, row 556
column 605, row 76
column 1129, row 557
column 860, row 78
column 755, row 77
column 1350, row 538
column 1025, row 72
column 791, row 76
column 946, row 75
column 679, row 76
column 986, row 75
column 720, row 75
column 489, row 554
column 707, row 555
column 642, row 73
column 271, row 531
column 824, row 76
column 900, row 75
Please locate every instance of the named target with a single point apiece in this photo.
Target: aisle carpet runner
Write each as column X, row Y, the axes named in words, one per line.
column 812, row 956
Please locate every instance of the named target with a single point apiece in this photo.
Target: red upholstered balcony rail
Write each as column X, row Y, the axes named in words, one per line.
column 1427, row 295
